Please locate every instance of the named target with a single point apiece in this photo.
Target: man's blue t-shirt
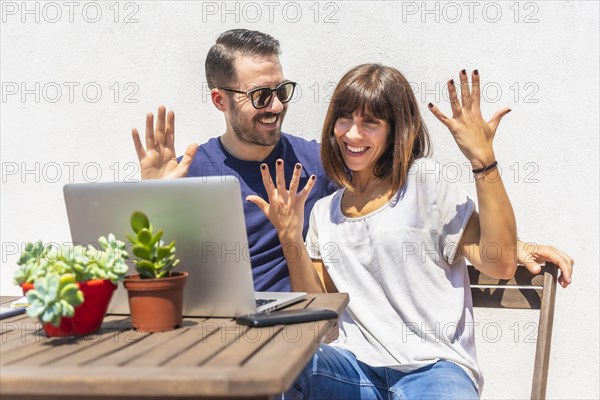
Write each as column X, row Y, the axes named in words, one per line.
column 269, row 268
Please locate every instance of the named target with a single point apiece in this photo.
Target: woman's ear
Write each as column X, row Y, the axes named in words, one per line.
column 218, row 99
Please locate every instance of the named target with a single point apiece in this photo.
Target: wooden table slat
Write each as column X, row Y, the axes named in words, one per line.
column 156, row 382
column 138, row 348
column 247, row 344
column 219, row 334
column 161, row 355
column 17, row 328
column 6, row 300
column 53, row 349
column 21, row 339
column 103, row 346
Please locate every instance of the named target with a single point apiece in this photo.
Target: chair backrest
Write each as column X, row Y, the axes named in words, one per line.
column 524, row 291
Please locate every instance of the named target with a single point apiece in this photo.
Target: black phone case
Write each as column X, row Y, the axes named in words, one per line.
column 286, row 317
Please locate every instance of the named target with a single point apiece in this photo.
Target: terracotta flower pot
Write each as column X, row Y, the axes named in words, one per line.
column 89, row 314
column 156, row 305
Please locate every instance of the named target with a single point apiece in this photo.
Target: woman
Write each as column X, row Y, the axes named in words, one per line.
column 395, row 237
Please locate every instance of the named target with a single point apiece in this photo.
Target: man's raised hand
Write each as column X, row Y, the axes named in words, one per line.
column 531, row 255
column 159, row 160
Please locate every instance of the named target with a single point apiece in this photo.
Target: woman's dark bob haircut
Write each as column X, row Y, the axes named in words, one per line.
column 384, row 93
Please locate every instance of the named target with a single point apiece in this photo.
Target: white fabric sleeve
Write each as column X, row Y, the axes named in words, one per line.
column 312, row 238
column 455, row 209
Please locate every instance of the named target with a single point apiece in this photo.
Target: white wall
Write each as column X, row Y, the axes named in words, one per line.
column 539, row 58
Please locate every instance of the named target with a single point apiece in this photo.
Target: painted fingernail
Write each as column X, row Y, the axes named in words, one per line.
column 430, row 105
column 298, row 166
column 476, row 72
column 464, row 72
column 313, row 177
column 263, row 166
column 508, row 111
column 452, row 81
column 279, row 162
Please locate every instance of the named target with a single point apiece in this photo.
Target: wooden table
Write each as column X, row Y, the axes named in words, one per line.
column 206, row 357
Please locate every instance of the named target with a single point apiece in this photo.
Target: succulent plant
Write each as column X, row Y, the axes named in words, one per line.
column 85, row 263
column 153, row 259
column 54, row 297
column 108, row 263
column 54, row 271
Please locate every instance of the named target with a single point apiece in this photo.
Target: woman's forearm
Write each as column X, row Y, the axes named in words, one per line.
column 498, row 230
column 303, row 276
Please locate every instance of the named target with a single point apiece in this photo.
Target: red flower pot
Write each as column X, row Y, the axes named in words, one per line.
column 26, row 287
column 88, row 317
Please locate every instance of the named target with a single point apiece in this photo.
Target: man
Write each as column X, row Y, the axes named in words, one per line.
column 248, row 86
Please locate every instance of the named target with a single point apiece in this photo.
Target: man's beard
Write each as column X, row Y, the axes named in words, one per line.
column 245, row 131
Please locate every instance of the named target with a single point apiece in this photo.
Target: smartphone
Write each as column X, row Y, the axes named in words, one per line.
column 7, row 312
column 286, row 317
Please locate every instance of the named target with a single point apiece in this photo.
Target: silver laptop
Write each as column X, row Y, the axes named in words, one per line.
column 206, row 219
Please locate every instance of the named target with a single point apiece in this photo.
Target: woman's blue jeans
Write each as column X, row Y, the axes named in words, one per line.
column 336, row 374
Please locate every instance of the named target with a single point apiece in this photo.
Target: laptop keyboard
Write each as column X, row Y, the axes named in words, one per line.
column 262, row 302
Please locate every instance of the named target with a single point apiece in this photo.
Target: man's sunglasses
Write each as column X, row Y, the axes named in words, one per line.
column 261, row 96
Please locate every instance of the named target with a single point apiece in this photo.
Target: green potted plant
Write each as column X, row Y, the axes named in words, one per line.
column 69, row 287
column 155, row 292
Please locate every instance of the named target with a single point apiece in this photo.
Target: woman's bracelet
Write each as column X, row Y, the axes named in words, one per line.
column 486, row 168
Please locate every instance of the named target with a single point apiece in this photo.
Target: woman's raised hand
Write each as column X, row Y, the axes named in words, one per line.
column 159, row 160
column 471, row 132
column 285, row 208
